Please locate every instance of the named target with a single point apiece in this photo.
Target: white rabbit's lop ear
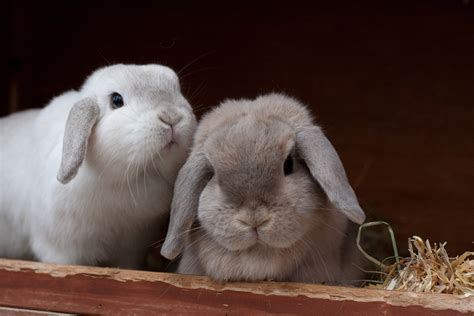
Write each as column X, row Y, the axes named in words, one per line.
column 191, row 180
column 326, row 167
column 82, row 118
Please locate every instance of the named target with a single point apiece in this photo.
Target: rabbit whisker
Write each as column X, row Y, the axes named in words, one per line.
column 179, row 72
column 137, row 169
column 200, row 107
column 196, row 91
column 128, row 184
column 182, row 233
column 316, row 221
column 191, row 73
column 145, row 163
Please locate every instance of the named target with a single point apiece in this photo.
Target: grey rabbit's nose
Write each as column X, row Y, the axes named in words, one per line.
column 253, row 223
column 169, row 119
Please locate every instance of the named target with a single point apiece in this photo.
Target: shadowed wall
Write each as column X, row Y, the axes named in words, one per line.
column 392, row 83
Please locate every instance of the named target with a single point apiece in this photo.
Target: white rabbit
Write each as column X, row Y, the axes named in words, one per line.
column 263, row 195
column 89, row 178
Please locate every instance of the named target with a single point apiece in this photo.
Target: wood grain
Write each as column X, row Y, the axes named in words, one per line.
column 7, row 311
column 89, row 290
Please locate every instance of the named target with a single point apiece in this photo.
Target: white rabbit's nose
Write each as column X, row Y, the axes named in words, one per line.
column 169, row 119
column 164, row 119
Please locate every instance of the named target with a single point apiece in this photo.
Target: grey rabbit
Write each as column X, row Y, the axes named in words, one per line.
column 264, row 196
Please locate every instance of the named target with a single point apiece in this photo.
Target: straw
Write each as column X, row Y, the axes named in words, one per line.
column 427, row 269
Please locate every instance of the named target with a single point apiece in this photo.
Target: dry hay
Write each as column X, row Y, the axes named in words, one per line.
column 428, row 269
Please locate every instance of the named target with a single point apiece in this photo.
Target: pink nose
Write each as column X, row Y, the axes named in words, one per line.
column 169, row 119
column 254, row 223
column 164, row 119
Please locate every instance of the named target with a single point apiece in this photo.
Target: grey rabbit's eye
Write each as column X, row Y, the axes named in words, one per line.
column 288, row 165
column 117, row 100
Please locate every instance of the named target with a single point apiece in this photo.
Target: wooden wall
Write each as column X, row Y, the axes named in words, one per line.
column 391, row 82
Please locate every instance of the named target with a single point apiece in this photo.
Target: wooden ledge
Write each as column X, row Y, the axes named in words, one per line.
column 92, row 290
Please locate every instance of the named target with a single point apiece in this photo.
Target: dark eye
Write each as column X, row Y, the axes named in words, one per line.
column 117, row 100
column 288, row 165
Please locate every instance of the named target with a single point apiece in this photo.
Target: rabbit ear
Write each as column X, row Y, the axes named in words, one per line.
column 82, row 117
column 191, row 180
column 326, row 167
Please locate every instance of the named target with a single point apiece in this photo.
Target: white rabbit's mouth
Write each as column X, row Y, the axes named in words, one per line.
column 158, row 142
column 169, row 145
column 172, row 140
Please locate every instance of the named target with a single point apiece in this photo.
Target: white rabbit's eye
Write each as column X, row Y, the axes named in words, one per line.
column 288, row 165
column 117, row 100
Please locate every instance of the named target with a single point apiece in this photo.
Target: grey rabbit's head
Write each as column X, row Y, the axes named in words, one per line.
column 256, row 181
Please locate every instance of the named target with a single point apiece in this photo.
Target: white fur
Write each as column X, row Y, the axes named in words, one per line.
column 118, row 202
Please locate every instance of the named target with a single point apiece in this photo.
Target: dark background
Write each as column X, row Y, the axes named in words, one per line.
column 392, row 82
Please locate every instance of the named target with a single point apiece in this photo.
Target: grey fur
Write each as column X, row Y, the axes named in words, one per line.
column 325, row 166
column 79, row 124
column 251, row 221
column 194, row 175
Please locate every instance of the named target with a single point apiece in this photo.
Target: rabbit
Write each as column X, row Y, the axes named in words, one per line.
column 263, row 196
column 89, row 178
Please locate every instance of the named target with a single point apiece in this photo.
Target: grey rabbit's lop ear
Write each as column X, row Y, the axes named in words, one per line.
column 82, row 117
column 326, row 167
column 191, row 180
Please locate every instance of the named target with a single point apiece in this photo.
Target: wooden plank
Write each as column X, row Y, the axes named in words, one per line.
column 91, row 290
column 4, row 311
